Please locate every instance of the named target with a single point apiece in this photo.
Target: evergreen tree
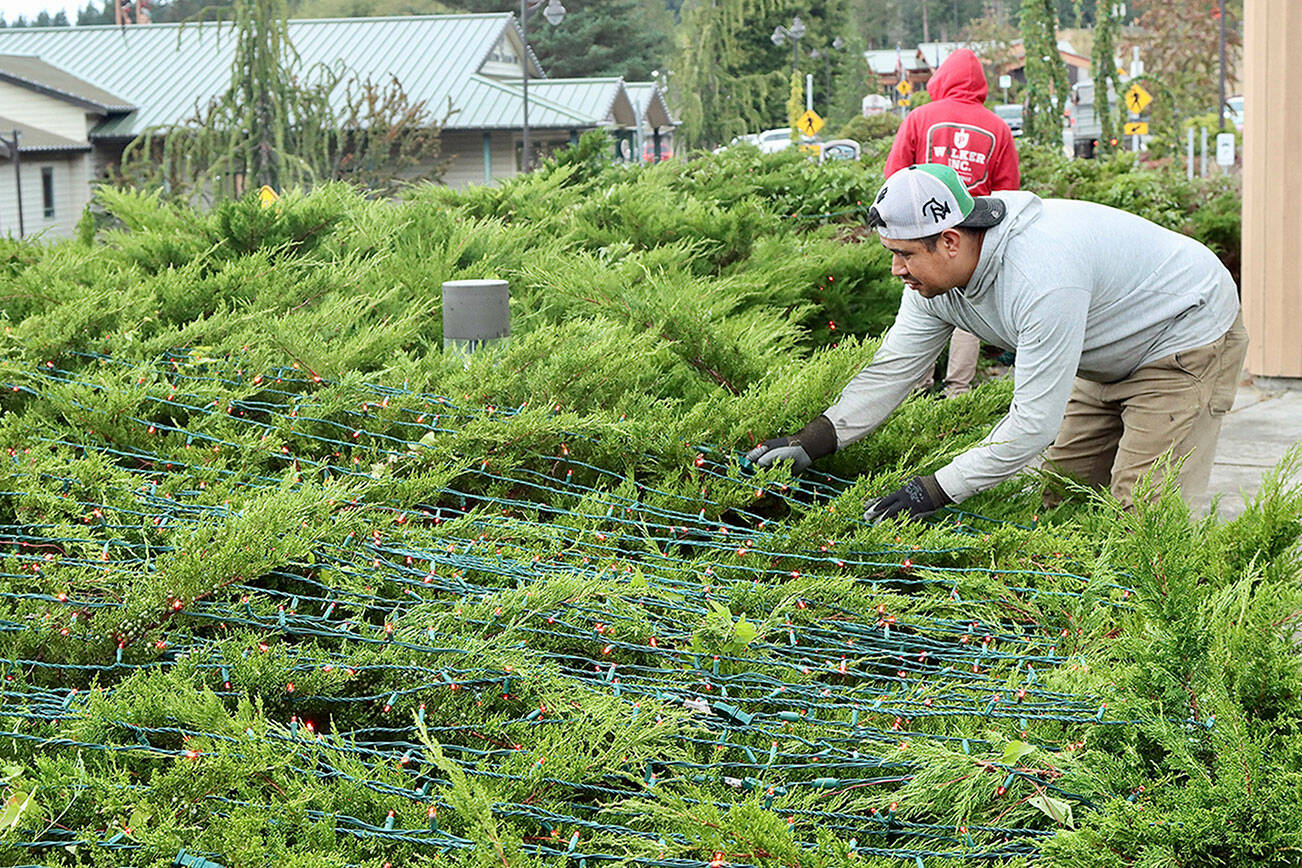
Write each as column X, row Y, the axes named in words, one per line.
column 274, row 126
column 602, row 38
column 718, row 88
column 597, row 37
column 729, row 76
column 1104, row 62
column 1046, row 74
column 92, row 14
column 795, row 104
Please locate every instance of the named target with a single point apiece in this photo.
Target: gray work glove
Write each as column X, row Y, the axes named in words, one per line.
column 802, row 449
column 920, row 496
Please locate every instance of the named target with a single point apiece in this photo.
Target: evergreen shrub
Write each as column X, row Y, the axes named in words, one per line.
column 283, row 583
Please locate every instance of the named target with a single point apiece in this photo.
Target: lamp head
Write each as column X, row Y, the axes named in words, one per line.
column 554, row 13
column 797, row 28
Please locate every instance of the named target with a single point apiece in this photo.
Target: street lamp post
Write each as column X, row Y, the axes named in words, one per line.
column 795, row 33
column 554, row 13
column 837, row 44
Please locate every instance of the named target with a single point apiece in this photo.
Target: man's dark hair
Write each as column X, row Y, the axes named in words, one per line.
column 929, row 241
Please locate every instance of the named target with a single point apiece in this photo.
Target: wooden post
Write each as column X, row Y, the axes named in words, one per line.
column 1272, row 175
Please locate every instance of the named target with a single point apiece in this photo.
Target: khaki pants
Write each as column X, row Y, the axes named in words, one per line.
column 964, row 347
column 1113, row 433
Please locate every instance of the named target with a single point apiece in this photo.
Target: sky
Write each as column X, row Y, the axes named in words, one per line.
column 31, row 8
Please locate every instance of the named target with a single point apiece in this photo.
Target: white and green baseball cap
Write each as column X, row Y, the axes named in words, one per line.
column 927, row 199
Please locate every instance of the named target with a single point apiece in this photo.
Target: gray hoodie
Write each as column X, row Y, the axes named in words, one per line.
column 1078, row 289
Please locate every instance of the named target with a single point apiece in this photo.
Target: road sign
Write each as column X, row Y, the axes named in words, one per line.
column 809, row 123
column 268, row 196
column 813, row 149
column 1005, row 81
column 1137, row 128
column 1137, row 99
column 905, row 87
column 1225, row 149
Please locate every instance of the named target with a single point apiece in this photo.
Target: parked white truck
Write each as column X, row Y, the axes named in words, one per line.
column 1080, row 134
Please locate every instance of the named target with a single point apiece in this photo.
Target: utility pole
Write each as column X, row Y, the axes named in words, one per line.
column 926, row 31
column 18, row 183
column 1220, row 110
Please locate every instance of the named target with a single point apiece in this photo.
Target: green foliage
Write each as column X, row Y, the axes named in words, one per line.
column 719, row 91
column 1202, row 663
column 1172, row 143
column 283, row 583
column 1046, row 89
column 867, row 129
column 795, row 104
column 1107, row 27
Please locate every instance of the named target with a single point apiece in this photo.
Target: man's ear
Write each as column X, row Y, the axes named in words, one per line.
column 952, row 241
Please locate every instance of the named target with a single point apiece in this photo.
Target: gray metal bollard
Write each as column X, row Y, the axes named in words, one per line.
column 476, row 313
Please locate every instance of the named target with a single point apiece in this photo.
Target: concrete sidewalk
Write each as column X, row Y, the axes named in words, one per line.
column 1263, row 424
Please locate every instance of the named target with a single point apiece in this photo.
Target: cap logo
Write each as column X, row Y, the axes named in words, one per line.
column 936, row 210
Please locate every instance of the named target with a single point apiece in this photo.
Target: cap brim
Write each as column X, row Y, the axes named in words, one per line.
column 986, row 211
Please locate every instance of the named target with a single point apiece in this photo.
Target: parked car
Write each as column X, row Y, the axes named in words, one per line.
column 839, row 149
column 774, row 140
column 1011, row 114
column 1234, row 111
column 648, row 150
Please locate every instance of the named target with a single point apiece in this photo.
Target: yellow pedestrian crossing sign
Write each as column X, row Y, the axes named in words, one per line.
column 1137, row 99
column 268, row 196
column 1137, row 128
column 809, row 123
column 905, row 87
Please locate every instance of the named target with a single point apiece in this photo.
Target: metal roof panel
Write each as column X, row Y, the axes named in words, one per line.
column 434, row 58
column 31, row 71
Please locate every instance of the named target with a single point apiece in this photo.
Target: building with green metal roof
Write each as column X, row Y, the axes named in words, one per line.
column 466, row 69
column 45, row 113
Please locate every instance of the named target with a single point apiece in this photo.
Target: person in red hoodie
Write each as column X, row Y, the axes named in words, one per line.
column 957, row 130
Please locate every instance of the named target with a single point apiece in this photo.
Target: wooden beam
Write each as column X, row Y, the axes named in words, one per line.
column 1272, row 177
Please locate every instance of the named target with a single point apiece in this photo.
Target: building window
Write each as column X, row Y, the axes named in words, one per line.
column 47, row 189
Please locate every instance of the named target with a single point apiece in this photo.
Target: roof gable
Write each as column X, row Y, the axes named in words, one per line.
column 598, row 100
column 35, row 74
column 650, row 104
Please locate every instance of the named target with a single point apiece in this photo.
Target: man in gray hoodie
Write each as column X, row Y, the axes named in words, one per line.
column 1129, row 339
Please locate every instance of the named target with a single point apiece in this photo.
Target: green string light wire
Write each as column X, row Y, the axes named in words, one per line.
column 816, row 705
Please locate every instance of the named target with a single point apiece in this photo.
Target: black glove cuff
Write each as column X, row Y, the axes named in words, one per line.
column 934, row 491
column 818, row 438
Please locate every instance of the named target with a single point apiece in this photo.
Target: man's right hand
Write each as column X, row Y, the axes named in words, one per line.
column 801, row 449
column 770, row 452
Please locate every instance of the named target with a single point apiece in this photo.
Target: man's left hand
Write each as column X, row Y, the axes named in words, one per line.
column 920, row 497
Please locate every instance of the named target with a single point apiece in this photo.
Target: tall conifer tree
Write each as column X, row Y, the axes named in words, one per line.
column 1046, row 74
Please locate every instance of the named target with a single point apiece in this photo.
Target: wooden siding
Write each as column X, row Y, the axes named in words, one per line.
column 29, row 107
column 466, row 150
column 71, row 192
column 1272, row 179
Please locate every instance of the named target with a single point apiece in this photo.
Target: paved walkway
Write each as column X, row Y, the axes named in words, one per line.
column 1263, row 424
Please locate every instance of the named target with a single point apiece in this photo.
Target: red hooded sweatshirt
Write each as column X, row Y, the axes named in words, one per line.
column 956, row 129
